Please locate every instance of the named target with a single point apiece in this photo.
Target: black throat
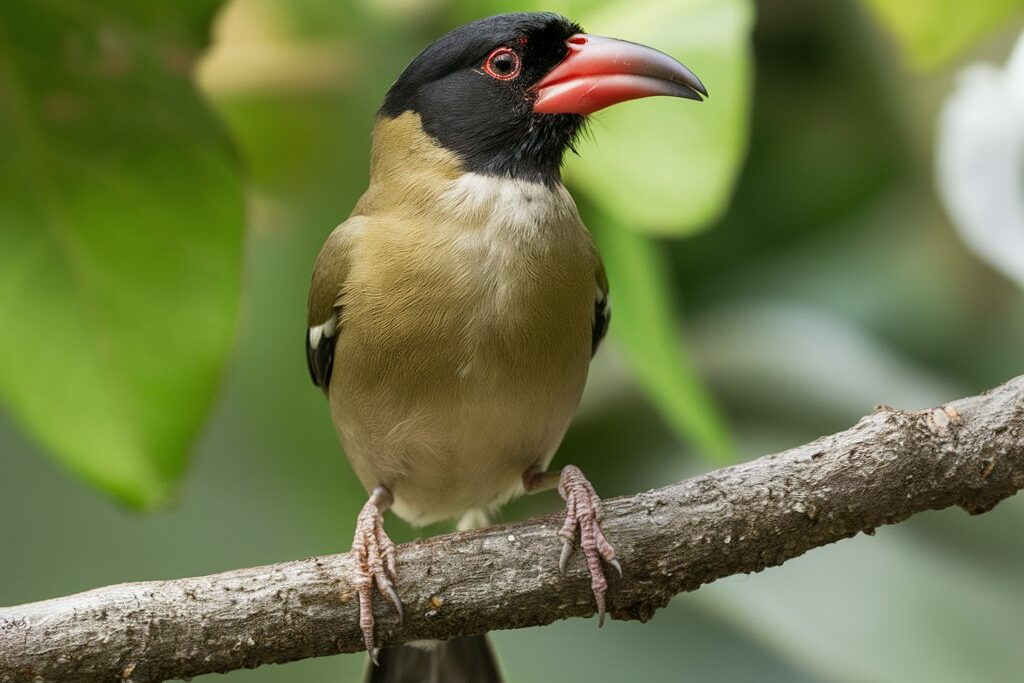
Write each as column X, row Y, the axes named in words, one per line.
column 532, row 152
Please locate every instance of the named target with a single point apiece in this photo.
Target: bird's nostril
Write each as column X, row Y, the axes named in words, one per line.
column 578, row 40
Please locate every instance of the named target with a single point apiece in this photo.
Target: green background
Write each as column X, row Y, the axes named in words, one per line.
column 803, row 252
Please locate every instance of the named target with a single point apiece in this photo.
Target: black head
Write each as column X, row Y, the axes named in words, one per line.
column 471, row 90
column 508, row 94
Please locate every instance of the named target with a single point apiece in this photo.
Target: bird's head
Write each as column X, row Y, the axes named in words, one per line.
column 509, row 94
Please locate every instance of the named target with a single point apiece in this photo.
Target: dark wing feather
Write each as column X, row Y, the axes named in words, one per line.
column 602, row 310
column 320, row 359
column 323, row 319
column 602, row 319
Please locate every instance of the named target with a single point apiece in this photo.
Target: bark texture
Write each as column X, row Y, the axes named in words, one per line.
column 739, row 519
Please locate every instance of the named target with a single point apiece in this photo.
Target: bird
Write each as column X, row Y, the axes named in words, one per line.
column 453, row 316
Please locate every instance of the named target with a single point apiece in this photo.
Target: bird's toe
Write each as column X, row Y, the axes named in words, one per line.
column 374, row 565
column 582, row 516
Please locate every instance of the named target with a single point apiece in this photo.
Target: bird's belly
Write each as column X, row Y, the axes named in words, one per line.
column 472, row 453
column 448, row 402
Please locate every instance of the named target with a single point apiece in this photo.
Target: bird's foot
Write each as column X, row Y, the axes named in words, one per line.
column 375, row 563
column 583, row 512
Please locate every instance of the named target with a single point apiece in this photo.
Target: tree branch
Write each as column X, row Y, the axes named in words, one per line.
column 739, row 519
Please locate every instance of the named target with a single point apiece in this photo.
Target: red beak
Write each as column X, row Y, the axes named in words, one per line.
column 599, row 72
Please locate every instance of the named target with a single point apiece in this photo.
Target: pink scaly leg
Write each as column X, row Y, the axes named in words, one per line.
column 583, row 514
column 375, row 563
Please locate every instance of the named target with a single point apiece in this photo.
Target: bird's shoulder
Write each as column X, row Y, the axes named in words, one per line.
column 323, row 308
column 331, row 268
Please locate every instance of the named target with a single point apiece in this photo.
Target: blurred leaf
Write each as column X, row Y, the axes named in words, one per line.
column 684, row 645
column 829, row 371
column 980, row 162
column 120, row 245
column 817, row 101
column 660, row 164
column 644, row 323
column 925, row 611
column 935, row 31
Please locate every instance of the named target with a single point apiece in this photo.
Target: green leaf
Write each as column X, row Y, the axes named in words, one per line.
column 934, row 31
column 121, row 228
column 644, row 324
column 660, row 164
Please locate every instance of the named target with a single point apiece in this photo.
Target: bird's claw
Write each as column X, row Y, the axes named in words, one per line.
column 618, row 566
column 375, row 565
column 563, row 559
column 583, row 514
column 392, row 594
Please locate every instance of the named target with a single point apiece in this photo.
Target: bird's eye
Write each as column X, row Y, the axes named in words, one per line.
column 503, row 64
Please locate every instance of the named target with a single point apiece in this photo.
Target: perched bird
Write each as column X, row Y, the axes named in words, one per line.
column 453, row 316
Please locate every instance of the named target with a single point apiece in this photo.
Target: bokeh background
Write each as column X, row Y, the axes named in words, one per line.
column 801, row 247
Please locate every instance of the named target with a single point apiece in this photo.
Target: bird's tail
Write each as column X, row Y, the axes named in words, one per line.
column 459, row 660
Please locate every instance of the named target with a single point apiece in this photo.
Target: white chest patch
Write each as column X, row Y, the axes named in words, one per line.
column 508, row 209
column 501, row 224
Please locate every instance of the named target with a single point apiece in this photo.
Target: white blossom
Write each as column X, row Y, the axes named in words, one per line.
column 980, row 161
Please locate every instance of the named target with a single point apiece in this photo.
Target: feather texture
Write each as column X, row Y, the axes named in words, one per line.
column 466, row 322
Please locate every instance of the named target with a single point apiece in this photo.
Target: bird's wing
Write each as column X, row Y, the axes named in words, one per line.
column 323, row 319
column 602, row 309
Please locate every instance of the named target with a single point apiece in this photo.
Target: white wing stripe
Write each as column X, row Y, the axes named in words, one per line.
column 326, row 329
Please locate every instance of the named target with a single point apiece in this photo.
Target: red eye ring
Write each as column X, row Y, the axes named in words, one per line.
column 499, row 66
